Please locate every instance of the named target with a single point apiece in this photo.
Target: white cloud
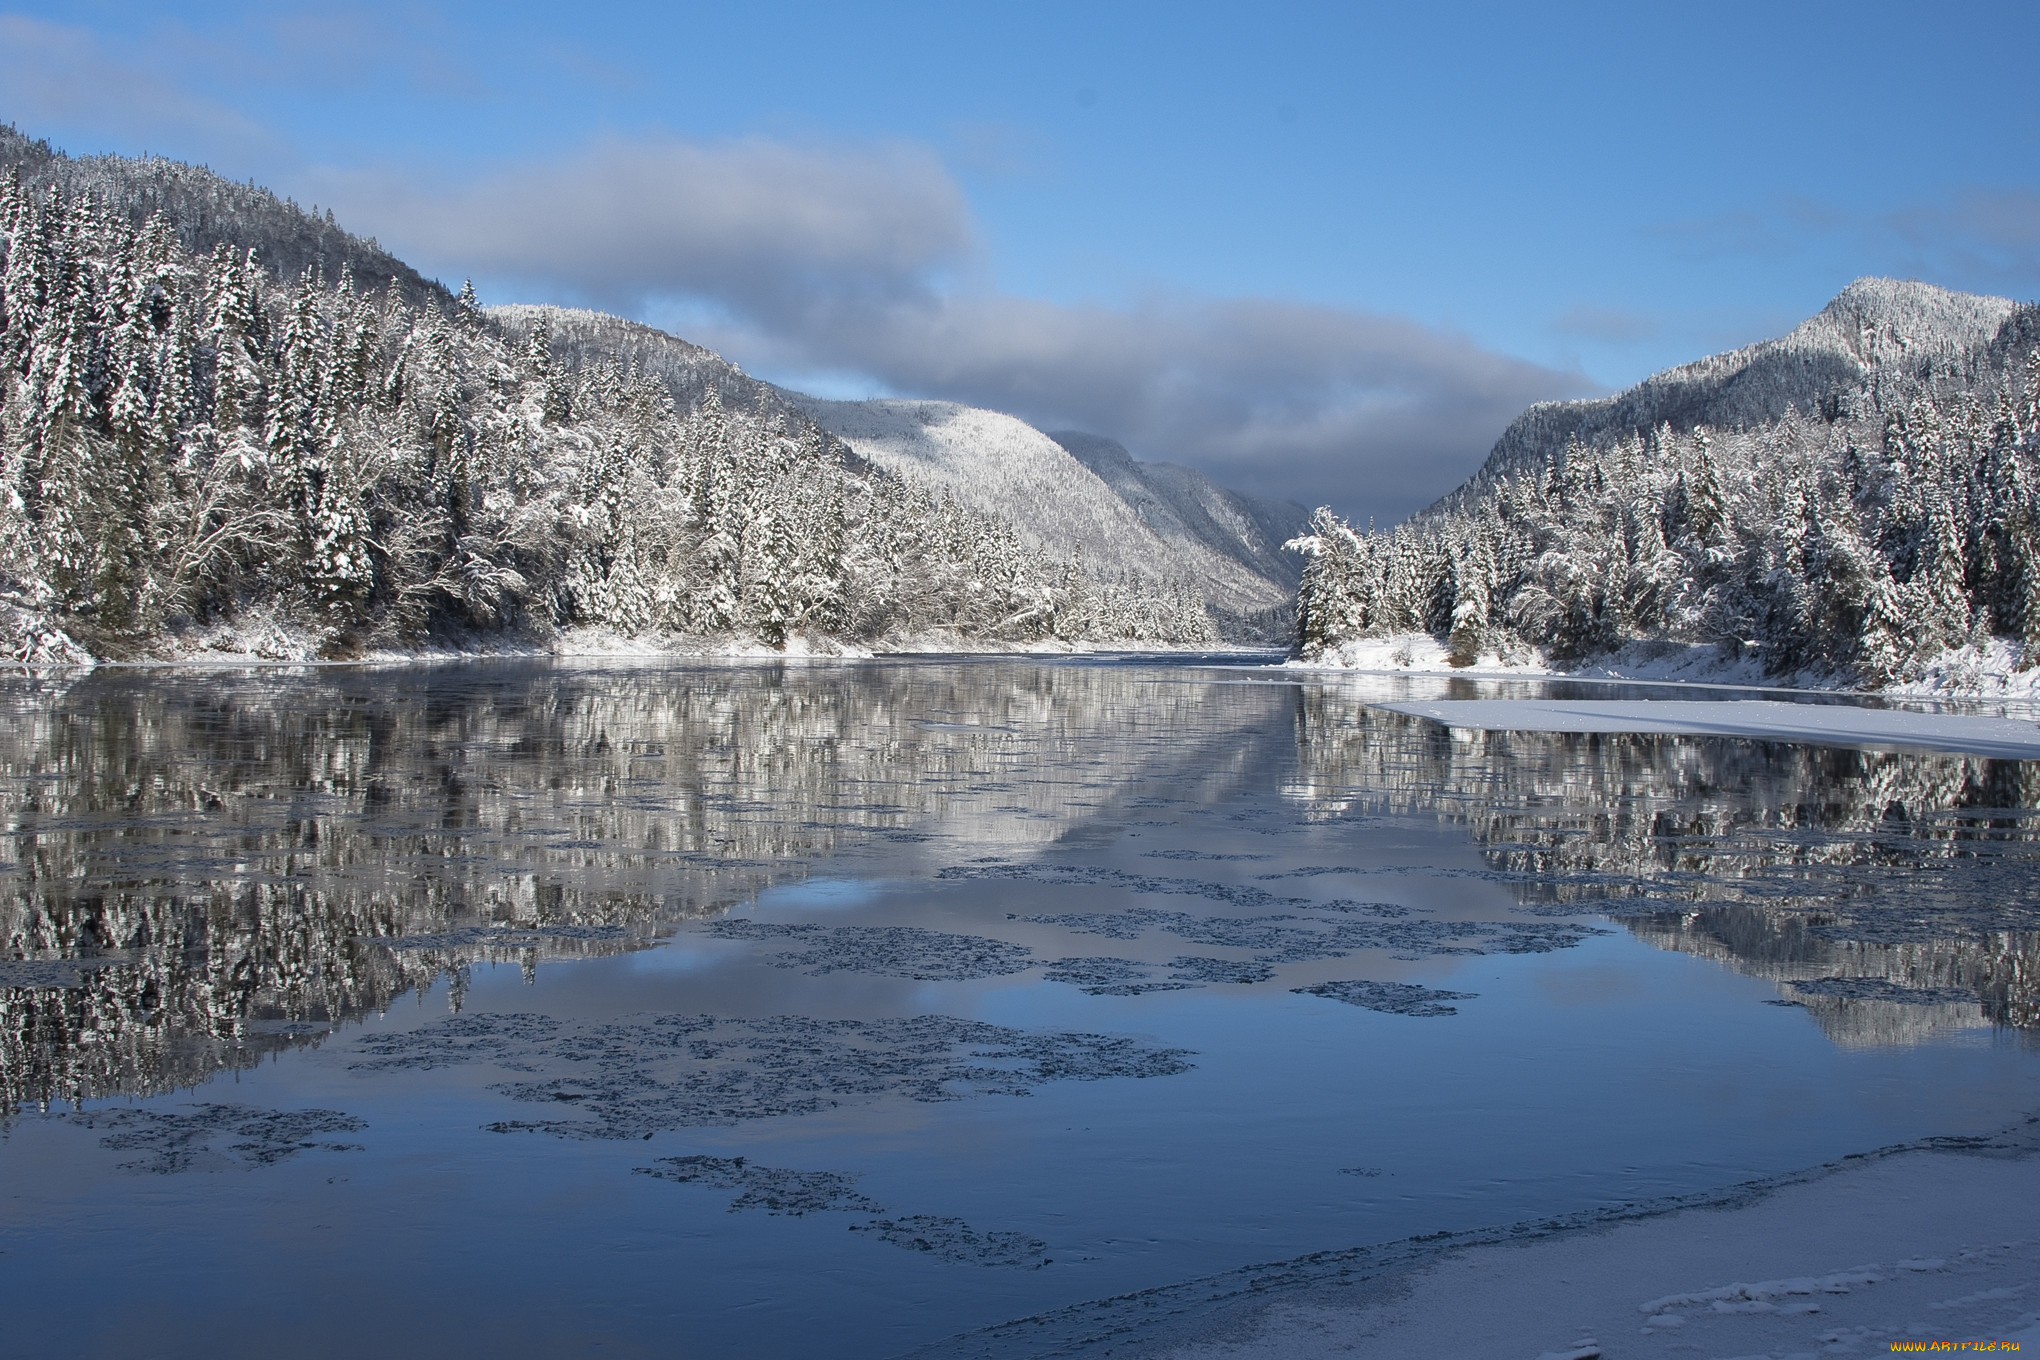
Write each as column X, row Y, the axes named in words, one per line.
column 1377, row 414
column 764, row 228
column 861, row 260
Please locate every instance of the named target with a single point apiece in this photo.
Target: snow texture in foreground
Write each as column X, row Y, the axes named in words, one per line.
column 1823, row 724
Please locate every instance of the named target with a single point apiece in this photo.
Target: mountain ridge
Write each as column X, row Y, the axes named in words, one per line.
column 1875, row 328
column 206, row 209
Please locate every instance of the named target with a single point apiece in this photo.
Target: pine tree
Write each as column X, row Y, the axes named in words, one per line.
column 467, row 309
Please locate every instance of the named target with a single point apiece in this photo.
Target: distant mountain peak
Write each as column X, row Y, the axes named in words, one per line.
column 1875, row 320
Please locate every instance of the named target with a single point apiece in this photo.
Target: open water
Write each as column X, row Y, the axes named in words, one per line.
column 747, row 1009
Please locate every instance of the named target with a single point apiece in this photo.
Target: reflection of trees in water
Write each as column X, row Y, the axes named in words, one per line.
column 244, row 861
column 1790, row 862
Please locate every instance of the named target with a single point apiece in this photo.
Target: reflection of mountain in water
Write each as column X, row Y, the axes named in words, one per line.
column 1892, row 895
column 203, row 869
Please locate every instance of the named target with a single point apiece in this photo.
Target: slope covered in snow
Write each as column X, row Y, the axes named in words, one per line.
column 688, row 370
column 1188, row 509
column 993, row 461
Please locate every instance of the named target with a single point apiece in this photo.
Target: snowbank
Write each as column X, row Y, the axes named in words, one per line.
column 1761, row 719
column 258, row 639
column 30, row 637
column 1995, row 668
column 261, row 639
column 1420, row 653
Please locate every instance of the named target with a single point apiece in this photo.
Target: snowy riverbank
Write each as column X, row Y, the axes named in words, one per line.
column 1995, row 669
column 30, row 639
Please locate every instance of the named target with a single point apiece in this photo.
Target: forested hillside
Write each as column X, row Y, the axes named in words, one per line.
column 1859, row 538
column 196, row 454
column 203, row 210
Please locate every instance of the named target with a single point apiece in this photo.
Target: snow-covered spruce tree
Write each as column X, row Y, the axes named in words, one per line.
column 187, row 444
column 1860, row 546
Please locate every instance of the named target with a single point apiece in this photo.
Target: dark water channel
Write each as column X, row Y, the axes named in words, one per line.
column 756, row 1010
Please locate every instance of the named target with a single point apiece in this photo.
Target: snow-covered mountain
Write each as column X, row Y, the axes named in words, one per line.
column 194, row 459
column 688, row 370
column 1877, row 333
column 1856, row 502
column 1074, row 496
column 1065, row 493
column 994, row 461
column 1187, row 508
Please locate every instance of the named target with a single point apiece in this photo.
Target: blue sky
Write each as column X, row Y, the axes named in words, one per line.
column 1321, row 251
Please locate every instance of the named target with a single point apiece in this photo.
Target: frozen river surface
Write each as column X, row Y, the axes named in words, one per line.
column 854, row 1009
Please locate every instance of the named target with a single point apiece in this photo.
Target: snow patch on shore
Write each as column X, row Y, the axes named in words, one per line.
column 1993, row 668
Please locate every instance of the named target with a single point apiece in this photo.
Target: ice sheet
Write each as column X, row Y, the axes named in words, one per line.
column 1919, row 1248
column 1822, row 724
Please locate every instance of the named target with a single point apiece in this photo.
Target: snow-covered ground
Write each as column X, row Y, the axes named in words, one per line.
column 1922, row 1246
column 1997, row 668
column 1762, row 719
column 1420, row 653
column 263, row 640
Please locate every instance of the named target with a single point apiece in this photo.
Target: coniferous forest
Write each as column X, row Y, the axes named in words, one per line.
column 203, row 453
column 1855, row 545
column 195, row 453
